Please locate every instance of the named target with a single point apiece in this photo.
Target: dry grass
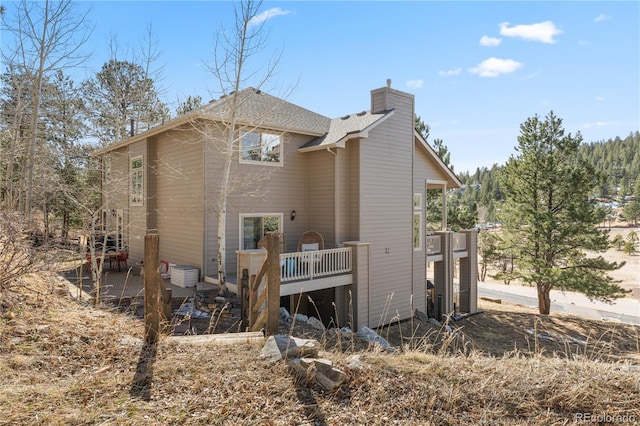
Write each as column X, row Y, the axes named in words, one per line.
column 64, row 363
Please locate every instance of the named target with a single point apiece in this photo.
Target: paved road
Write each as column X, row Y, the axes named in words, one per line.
column 625, row 310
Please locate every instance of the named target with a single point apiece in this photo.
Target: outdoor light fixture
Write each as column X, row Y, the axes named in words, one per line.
column 293, row 214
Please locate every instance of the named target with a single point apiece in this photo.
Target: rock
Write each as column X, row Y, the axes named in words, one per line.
column 421, row 316
column 315, row 323
column 285, row 318
column 434, row 322
column 372, row 336
column 282, row 346
column 355, row 362
column 301, row 317
column 448, row 328
column 130, row 341
column 318, row 371
column 220, row 299
column 344, row 332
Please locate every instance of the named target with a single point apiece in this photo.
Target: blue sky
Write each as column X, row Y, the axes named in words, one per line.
column 477, row 69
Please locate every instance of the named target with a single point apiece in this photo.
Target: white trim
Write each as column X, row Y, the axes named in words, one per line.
column 288, row 289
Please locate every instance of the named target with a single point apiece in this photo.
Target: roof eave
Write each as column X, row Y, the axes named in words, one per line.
column 179, row 121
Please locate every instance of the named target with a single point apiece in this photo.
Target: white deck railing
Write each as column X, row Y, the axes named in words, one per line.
column 312, row 264
column 459, row 241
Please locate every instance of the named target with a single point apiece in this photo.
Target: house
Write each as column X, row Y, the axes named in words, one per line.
column 359, row 180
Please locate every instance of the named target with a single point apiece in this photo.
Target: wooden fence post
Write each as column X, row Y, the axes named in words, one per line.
column 151, row 288
column 244, row 299
column 273, row 283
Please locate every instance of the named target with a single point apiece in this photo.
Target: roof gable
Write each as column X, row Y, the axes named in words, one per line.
column 448, row 175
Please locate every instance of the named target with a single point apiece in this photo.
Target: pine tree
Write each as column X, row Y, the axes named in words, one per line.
column 550, row 217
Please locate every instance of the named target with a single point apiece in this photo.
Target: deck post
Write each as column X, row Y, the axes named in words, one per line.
column 469, row 275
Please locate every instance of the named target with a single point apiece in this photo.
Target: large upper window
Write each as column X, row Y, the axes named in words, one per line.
column 261, row 148
column 254, row 226
column 137, row 181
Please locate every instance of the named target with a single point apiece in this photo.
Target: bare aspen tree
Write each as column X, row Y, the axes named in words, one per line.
column 227, row 123
column 48, row 36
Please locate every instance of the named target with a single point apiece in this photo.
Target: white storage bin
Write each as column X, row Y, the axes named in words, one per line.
column 184, row 276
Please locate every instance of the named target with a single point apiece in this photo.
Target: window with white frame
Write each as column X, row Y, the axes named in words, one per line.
column 254, row 226
column 417, row 221
column 137, row 181
column 261, row 148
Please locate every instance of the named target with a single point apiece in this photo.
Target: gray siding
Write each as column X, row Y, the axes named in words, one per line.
column 387, row 209
column 138, row 214
column 342, row 196
column 115, row 194
column 353, row 184
column 321, row 195
column 178, row 199
column 259, row 189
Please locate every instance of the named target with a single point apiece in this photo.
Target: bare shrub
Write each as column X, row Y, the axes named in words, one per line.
column 17, row 256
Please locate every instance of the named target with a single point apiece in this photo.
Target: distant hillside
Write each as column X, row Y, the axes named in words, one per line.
column 617, row 159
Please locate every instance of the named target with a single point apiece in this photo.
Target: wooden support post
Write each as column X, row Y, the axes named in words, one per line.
column 165, row 303
column 151, row 288
column 244, row 299
column 273, row 283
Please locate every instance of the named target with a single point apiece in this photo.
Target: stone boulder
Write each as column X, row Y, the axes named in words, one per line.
column 320, row 372
column 281, row 346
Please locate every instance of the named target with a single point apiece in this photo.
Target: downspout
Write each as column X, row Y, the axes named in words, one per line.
column 205, row 220
column 336, row 203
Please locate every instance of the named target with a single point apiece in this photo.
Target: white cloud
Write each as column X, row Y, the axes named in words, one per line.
column 490, row 41
column 542, row 31
column 600, row 124
column 493, row 67
column 532, row 76
column 268, row 14
column 448, row 73
column 601, row 17
column 595, row 124
column 414, row 84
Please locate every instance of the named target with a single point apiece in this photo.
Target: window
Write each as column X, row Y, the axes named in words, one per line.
column 417, row 221
column 254, row 226
column 137, row 181
column 417, row 231
column 417, row 201
column 107, row 169
column 261, row 148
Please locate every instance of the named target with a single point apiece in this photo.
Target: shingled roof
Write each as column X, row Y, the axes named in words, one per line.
column 347, row 127
column 255, row 107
